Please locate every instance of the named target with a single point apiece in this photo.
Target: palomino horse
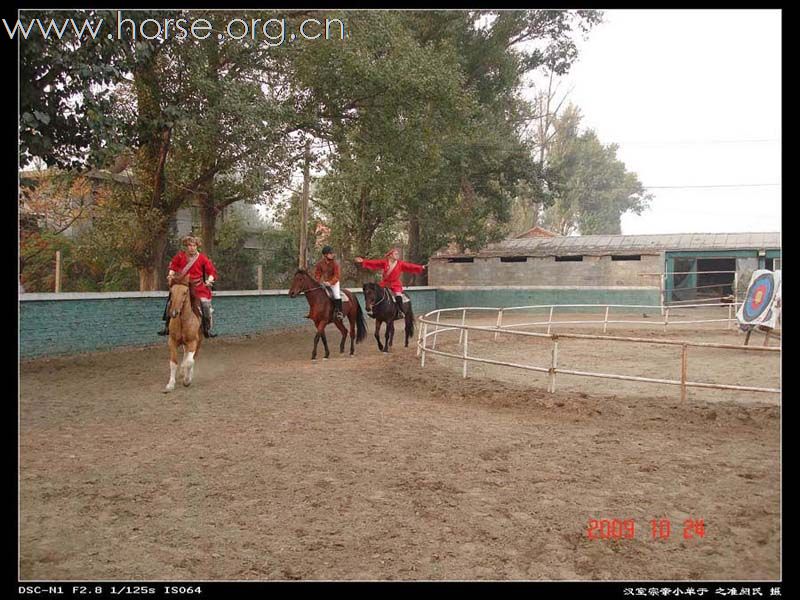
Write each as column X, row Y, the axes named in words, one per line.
column 321, row 312
column 184, row 329
column 380, row 305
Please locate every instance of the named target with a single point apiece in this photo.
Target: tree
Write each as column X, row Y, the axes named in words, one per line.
column 590, row 187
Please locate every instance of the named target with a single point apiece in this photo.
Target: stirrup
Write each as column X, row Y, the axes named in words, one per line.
column 339, row 315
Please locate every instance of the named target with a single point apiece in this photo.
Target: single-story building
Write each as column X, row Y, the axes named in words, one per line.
column 684, row 266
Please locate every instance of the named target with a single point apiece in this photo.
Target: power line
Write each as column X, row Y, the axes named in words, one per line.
column 690, row 142
column 720, row 185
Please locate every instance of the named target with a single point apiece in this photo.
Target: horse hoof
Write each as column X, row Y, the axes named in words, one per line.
column 168, row 389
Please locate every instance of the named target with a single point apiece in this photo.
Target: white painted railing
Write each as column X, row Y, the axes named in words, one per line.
column 431, row 326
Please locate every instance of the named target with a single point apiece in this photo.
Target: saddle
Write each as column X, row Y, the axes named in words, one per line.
column 328, row 291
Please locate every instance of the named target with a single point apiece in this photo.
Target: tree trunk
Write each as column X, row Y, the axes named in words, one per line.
column 208, row 221
column 152, row 276
column 414, row 251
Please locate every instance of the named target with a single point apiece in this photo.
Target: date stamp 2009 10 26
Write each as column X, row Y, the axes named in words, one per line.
column 625, row 529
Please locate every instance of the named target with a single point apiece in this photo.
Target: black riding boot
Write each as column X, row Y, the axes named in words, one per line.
column 165, row 318
column 207, row 323
column 399, row 301
column 337, row 308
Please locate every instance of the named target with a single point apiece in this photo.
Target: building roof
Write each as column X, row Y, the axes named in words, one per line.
column 623, row 244
column 537, row 232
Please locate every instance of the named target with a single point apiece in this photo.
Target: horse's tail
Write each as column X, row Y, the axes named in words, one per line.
column 410, row 321
column 361, row 324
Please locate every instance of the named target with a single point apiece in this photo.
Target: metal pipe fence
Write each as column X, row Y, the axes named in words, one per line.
column 438, row 328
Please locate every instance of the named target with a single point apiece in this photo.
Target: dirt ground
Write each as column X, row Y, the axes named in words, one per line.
column 271, row 467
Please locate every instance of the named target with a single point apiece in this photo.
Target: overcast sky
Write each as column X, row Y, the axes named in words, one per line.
column 692, row 97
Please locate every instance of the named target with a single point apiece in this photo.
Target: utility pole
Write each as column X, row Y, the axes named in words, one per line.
column 304, row 206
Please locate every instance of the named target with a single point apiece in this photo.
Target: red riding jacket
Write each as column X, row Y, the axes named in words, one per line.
column 195, row 272
column 391, row 279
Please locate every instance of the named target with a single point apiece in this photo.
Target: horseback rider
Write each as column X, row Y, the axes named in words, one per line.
column 201, row 273
column 392, row 267
column 327, row 272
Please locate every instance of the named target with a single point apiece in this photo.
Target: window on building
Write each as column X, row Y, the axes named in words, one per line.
column 577, row 258
column 461, row 259
column 513, row 259
column 627, row 257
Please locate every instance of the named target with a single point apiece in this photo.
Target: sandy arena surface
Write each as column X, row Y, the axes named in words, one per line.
column 271, row 467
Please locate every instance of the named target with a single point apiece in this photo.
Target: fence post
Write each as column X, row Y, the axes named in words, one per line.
column 419, row 335
column 436, row 333
column 684, row 368
column 499, row 324
column 424, row 342
column 553, row 365
column 605, row 322
column 550, row 319
column 663, row 284
column 730, row 316
column 463, row 317
column 466, row 345
column 666, row 318
column 260, row 277
column 58, row 271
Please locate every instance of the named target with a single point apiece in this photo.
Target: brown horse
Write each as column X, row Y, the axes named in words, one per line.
column 381, row 306
column 321, row 312
column 184, row 330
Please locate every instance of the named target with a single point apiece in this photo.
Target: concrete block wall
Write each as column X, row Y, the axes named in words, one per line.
column 546, row 271
column 53, row 324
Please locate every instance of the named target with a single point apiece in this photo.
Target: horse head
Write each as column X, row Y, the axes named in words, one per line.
column 178, row 295
column 372, row 295
column 301, row 283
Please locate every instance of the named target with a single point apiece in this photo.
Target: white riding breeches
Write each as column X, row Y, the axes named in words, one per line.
column 337, row 294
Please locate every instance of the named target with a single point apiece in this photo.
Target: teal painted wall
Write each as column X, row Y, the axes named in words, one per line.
column 504, row 297
column 67, row 326
column 52, row 327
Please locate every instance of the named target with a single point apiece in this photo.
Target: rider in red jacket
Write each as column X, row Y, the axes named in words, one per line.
column 202, row 273
column 392, row 267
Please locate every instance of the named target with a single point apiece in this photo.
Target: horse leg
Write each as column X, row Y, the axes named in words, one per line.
column 408, row 329
column 188, row 363
column 316, row 341
column 378, row 334
column 352, row 334
column 340, row 326
column 325, row 343
column 388, row 338
column 173, row 365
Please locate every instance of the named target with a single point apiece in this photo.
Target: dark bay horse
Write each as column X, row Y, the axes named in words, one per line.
column 380, row 305
column 184, row 330
column 321, row 312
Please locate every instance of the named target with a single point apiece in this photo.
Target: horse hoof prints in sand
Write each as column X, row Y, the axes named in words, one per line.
column 184, row 330
column 321, row 312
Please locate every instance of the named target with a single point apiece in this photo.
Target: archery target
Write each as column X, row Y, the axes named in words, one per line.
column 762, row 299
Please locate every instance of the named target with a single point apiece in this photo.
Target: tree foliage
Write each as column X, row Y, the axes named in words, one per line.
column 590, row 188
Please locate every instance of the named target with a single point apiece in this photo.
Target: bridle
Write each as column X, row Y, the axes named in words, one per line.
column 319, row 287
column 185, row 300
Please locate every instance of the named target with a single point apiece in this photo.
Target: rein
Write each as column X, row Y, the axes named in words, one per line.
column 383, row 297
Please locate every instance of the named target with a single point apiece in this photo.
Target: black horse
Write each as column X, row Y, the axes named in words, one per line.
column 380, row 305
